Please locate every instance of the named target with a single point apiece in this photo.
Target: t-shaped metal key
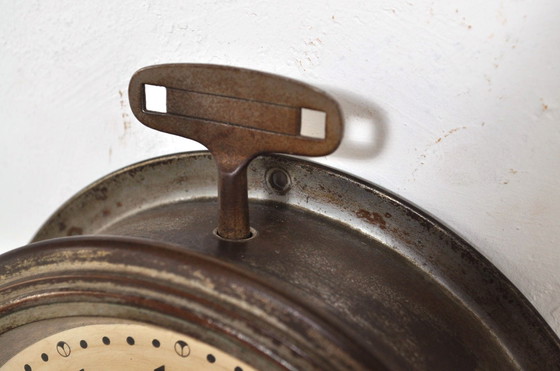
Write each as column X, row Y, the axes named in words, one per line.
column 237, row 114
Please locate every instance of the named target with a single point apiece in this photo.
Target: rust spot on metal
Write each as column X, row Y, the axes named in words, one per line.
column 119, row 204
column 100, row 193
column 181, row 179
column 372, row 217
column 106, row 212
column 467, row 257
column 404, row 236
column 75, row 231
column 132, row 172
column 327, row 193
column 419, row 219
column 308, row 169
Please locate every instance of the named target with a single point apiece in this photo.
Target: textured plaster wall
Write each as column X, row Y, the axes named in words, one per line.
column 453, row 105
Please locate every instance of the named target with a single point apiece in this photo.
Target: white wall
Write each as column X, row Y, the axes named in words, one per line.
column 453, row 105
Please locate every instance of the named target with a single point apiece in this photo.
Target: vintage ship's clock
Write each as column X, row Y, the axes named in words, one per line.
column 139, row 271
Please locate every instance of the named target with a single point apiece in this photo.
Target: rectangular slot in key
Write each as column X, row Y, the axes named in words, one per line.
column 313, row 123
column 155, row 98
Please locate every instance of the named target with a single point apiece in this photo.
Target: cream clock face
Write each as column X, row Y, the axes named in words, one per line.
column 117, row 347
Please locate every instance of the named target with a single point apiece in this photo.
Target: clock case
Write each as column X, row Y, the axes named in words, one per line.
column 336, row 274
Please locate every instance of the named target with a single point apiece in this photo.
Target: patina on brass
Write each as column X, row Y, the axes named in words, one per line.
column 237, row 114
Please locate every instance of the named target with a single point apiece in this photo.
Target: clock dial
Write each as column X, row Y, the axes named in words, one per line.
column 116, row 347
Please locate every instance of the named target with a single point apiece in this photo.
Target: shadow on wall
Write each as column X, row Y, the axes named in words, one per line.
column 365, row 126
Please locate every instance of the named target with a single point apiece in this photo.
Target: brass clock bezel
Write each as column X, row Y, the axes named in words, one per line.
column 159, row 284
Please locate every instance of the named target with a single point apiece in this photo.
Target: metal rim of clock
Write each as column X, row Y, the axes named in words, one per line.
column 115, row 211
column 167, row 286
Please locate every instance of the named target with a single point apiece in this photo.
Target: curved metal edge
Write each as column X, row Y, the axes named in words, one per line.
column 419, row 237
column 449, row 254
column 98, row 191
column 78, row 274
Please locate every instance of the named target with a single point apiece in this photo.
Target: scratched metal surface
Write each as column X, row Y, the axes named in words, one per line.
column 387, row 273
